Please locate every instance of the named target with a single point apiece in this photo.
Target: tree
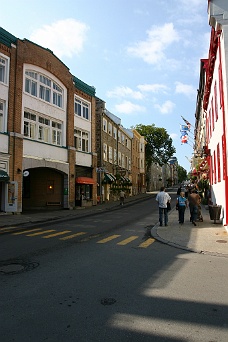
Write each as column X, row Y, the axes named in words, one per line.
column 159, row 148
column 182, row 174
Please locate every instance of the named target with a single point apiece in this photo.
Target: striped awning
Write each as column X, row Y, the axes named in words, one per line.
column 4, row 177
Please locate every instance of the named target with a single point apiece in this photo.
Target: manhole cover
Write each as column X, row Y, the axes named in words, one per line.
column 221, row 241
column 108, row 301
column 16, row 267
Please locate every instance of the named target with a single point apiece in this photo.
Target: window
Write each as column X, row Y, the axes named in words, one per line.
column 114, row 133
column 29, row 125
column 115, row 156
column 216, row 102
column 110, row 154
column 40, row 128
column 105, row 152
column 31, row 82
column 218, row 163
column 123, row 138
column 2, row 70
column 57, row 95
column 104, row 125
column 110, row 128
column 123, row 161
column 44, row 129
column 119, row 136
column 43, row 87
column 82, row 108
column 56, row 133
column 2, row 106
column 81, row 140
column 126, row 162
column 119, row 158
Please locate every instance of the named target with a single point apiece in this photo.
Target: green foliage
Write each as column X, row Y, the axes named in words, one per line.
column 182, row 174
column 159, row 147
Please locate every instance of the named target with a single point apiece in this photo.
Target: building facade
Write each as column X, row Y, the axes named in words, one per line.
column 40, row 115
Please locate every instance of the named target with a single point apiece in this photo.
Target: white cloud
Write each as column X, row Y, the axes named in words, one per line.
column 152, row 50
column 174, row 136
column 185, row 89
column 125, row 92
column 128, row 107
column 154, row 88
column 64, row 37
column 166, row 108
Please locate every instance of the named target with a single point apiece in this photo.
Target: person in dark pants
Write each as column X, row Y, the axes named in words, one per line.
column 194, row 200
column 162, row 198
column 181, row 204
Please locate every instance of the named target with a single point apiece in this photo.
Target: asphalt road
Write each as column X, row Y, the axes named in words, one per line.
column 102, row 278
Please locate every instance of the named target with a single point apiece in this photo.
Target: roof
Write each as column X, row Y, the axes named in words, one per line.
column 7, row 38
column 89, row 90
column 113, row 117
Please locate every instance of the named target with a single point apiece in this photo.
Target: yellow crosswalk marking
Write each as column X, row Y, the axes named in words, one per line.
column 41, row 233
column 146, row 243
column 112, row 237
column 72, row 236
column 56, row 234
column 128, row 240
column 27, row 231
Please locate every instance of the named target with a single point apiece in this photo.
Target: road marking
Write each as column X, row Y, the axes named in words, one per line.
column 112, row 237
column 72, row 236
column 56, row 234
column 27, row 231
column 128, row 240
column 146, row 243
column 40, row 233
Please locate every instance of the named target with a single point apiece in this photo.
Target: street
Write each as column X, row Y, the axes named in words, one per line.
column 103, row 278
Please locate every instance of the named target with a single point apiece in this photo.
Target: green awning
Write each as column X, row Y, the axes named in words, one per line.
column 109, row 178
column 4, row 177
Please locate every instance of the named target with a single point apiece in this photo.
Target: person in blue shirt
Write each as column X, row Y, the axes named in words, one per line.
column 181, row 203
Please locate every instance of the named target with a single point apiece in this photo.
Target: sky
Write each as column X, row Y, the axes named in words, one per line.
column 142, row 56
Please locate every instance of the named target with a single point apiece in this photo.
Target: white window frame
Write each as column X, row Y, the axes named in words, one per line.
column 114, row 132
column 110, row 128
column 105, row 152
column 43, row 87
column 115, row 156
column 2, row 115
column 41, row 128
column 110, row 154
column 123, row 139
column 119, row 158
column 123, row 161
column 3, row 69
column 81, row 140
column 105, row 125
column 82, row 108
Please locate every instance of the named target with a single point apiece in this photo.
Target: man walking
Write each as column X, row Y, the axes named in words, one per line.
column 162, row 198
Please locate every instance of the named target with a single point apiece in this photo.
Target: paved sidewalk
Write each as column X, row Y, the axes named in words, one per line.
column 207, row 237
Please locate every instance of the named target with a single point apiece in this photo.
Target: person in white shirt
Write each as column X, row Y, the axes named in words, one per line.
column 162, row 198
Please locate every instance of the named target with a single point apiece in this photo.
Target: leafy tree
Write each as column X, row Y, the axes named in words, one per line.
column 182, row 174
column 159, row 148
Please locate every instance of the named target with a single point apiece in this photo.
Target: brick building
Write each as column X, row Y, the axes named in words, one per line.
column 47, row 125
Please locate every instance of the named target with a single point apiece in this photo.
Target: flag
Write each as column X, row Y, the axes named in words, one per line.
column 184, row 139
column 184, row 128
column 187, row 122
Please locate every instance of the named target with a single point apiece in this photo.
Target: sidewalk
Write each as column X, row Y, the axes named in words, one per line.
column 206, row 238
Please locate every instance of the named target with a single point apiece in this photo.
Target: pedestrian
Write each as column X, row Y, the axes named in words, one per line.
column 194, row 200
column 163, row 198
column 179, row 191
column 181, row 204
column 122, row 196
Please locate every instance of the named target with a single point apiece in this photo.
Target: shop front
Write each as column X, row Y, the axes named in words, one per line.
column 84, row 191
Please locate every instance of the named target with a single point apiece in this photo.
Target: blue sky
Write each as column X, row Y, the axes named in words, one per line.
column 142, row 56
